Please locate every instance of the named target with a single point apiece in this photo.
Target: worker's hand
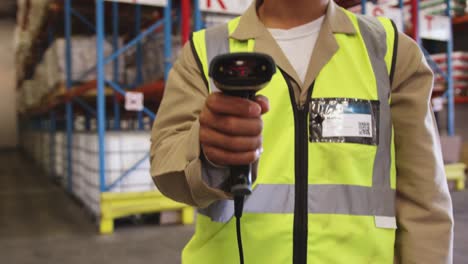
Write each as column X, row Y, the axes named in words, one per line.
column 231, row 127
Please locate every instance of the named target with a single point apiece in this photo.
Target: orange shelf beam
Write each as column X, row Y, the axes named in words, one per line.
column 152, row 91
column 80, row 90
column 461, row 100
column 460, row 20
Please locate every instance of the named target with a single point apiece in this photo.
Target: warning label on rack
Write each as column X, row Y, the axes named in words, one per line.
column 233, row 7
column 435, row 27
column 143, row 2
column 394, row 14
column 134, row 101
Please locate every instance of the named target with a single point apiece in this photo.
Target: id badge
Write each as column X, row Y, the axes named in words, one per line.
column 344, row 120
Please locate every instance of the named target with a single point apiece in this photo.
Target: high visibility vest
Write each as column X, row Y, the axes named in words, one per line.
column 325, row 188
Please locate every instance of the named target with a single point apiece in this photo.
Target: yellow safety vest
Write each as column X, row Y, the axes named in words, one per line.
column 324, row 193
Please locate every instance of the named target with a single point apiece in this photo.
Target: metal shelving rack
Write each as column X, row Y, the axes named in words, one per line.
column 414, row 33
column 449, row 93
column 45, row 118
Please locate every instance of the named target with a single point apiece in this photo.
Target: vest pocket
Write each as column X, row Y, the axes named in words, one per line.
column 344, row 120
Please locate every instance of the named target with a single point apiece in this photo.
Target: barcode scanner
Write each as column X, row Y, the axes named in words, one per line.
column 242, row 75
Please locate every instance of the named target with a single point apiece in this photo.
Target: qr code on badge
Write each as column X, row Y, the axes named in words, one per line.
column 364, row 129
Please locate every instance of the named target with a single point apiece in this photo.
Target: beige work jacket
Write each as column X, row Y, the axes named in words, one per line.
column 424, row 209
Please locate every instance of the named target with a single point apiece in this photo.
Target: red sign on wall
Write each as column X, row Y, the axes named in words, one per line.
column 234, row 7
column 435, row 27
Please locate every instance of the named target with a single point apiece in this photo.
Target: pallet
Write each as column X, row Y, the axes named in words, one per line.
column 456, row 172
column 118, row 205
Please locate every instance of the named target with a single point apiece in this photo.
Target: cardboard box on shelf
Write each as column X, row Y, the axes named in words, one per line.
column 123, row 150
column 153, row 61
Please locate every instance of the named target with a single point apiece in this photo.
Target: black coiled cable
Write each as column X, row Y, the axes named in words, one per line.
column 238, row 208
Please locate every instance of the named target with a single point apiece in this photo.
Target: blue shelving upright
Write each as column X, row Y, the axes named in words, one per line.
column 449, row 94
column 47, row 120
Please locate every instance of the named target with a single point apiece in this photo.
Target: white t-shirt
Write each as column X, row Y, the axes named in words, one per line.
column 298, row 43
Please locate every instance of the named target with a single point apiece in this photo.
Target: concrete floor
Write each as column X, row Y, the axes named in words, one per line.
column 460, row 208
column 40, row 224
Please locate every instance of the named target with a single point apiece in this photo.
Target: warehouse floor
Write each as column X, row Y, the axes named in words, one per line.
column 40, row 224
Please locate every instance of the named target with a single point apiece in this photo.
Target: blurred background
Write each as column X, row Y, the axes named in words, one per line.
column 81, row 83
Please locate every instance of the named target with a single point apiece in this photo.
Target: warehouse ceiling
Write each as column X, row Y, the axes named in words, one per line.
column 8, row 9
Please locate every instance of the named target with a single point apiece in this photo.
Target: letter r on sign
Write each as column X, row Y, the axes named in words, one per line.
column 220, row 2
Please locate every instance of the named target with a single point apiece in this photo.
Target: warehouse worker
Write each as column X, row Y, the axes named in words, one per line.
column 349, row 162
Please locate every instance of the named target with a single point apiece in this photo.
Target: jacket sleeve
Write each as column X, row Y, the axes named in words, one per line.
column 424, row 207
column 176, row 166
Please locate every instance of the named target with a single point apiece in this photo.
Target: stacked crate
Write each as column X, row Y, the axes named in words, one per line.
column 83, row 59
column 50, row 73
column 60, row 158
column 123, row 151
column 459, row 69
column 31, row 16
column 439, row 7
column 78, row 167
column 153, row 61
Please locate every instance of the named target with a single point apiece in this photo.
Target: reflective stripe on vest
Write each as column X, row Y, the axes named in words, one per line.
column 217, row 42
column 322, row 199
column 372, row 35
column 378, row 200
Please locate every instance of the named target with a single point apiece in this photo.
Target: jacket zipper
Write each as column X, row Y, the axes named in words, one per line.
column 300, row 229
